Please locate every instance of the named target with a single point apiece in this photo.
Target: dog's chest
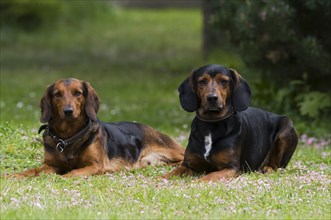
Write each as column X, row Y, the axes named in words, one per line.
column 67, row 160
column 70, row 156
column 209, row 138
column 208, row 143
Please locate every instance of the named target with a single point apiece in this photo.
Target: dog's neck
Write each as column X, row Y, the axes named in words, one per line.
column 214, row 119
column 217, row 129
column 68, row 128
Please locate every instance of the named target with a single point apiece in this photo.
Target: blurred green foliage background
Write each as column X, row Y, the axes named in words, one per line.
column 136, row 58
column 286, row 43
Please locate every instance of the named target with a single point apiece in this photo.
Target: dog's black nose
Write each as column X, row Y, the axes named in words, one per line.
column 212, row 98
column 68, row 111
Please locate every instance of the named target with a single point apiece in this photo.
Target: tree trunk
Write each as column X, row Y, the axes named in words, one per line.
column 207, row 35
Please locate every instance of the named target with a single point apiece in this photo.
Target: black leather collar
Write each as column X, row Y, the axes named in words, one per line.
column 216, row 119
column 61, row 144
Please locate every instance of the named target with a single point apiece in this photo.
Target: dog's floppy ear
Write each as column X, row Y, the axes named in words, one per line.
column 91, row 101
column 45, row 105
column 241, row 95
column 187, row 96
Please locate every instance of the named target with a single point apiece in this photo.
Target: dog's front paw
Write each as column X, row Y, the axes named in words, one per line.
column 267, row 170
column 18, row 176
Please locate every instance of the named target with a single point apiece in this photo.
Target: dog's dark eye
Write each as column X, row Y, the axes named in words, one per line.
column 223, row 82
column 202, row 82
column 58, row 94
column 77, row 93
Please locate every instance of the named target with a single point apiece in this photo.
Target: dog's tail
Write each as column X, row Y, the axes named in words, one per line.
column 159, row 148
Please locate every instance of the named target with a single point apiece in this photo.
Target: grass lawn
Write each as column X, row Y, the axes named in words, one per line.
column 135, row 59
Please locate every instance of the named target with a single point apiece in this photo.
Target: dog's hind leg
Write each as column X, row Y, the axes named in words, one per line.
column 283, row 148
column 160, row 149
column 160, row 155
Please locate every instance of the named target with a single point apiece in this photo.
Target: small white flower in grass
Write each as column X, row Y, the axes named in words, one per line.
column 304, row 138
column 37, row 204
column 19, row 105
column 324, row 143
column 326, row 154
column 103, row 107
column 30, row 107
column 15, row 201
column 220, row 200
column 323, row 166
column 115, row 111
column 181, row 138
column 311, row 140
column 32, row 94
column 24, row 137
column 186, row 196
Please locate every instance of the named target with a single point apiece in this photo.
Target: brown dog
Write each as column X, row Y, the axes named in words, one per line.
column 226, row 136
column 77, row 144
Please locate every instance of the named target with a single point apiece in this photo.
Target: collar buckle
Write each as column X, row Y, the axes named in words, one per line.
column 60, row 146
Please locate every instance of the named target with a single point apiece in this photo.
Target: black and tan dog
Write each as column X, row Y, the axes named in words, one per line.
column 227, row 137
column 77, row 144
